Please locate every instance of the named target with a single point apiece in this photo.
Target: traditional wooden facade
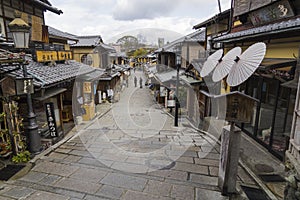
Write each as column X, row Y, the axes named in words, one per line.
column 182, row 53
column 276, row 23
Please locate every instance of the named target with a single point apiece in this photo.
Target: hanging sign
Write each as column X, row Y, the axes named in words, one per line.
column 171, row 103
column 51, row 119
column 276, row 11
column 87, row 87
column 47, row 56
column 24, row 85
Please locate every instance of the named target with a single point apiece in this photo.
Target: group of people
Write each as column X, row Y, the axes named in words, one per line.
column 135, row 82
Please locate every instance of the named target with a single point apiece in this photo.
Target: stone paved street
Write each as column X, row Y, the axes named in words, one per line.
column 133, row 151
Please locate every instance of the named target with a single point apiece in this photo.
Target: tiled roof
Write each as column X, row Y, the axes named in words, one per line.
column 107, row 48
column 196, row 36
column 95, row 75
column 279, row 27
column 57, row 33
column 47, row 76
column 198, row 64
column 167, row 76
column 88, row 41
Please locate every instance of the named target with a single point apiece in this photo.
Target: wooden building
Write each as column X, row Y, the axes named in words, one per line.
column 276, row 23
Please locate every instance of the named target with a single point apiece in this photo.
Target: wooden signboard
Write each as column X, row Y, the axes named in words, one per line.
column 8, row 86
column 46, row 56
column 64, row 55
column 24, row 86
column 239, row 107
column 36, row 28
column 276, row 11
column 51, row 119
column 87, row 87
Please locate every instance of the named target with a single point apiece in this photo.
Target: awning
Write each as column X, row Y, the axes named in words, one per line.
column 92, row 76
column 167, row 76
column 190, row 80
column 50, row 93
column 275, row 63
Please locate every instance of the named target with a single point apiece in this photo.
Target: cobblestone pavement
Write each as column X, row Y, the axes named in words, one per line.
column 133, row 151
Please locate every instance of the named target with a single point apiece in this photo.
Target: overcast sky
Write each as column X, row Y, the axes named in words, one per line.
column 112, row 18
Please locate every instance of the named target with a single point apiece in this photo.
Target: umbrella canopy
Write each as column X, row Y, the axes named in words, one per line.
column 211, row 63
column 246, row 64
column 224, row 67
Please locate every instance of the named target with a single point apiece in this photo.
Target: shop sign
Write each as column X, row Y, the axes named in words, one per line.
column 51, row 119
column 276, row 11
column 24, row 86
column 163, row 91
column 171, row 104
column 64, row 55
column 87, row 87
column 47, row 56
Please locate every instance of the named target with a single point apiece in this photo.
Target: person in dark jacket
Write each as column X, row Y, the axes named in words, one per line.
column 141, row 82
column 135, row 81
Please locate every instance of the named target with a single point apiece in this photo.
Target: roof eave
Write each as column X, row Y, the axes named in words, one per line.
column 47, row 6
column 251, row 35
column 221, row 15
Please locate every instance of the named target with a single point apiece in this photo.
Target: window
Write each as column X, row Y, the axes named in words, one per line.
column 87, row 59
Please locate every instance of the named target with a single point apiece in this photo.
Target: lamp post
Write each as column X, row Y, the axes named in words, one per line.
column 178, row 63
column 20, row 31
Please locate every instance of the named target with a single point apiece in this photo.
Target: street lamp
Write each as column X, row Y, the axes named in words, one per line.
column 21, row 31
column 178, row 63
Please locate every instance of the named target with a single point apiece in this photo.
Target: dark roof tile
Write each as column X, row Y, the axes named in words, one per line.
column 47, row 76
column 282, row 26
column 57, row 33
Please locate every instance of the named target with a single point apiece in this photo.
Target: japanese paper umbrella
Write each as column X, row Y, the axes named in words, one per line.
column 224, row 67
column 246, row 64
column 211, row 63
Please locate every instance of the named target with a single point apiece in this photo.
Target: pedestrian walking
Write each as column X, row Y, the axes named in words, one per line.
column 135, row 81
column 141, row 82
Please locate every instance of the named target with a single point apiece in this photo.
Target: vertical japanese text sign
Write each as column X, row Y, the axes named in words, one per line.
column 51, row 119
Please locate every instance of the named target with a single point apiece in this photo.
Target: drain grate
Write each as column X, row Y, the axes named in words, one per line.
column 255, row 193
column 271, row 178
column 10, row 170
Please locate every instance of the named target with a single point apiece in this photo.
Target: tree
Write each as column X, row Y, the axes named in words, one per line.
column 128, row 43
column 140, row 52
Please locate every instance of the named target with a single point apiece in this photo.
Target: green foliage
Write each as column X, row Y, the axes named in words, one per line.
column 21, row 157
column 140, row 52
column 2, row 116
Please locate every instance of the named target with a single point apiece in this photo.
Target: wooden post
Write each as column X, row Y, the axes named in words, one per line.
column 9, row 118
column 229, row 159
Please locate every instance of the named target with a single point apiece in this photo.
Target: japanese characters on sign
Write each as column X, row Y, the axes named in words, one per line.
column 24, row 86
column 47, row 56
column 51, row 119
column 239, row 108
column 87, row 87
column 64, row 55
column 279, row 10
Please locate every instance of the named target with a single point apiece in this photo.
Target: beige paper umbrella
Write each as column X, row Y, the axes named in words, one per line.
column 224, row 67
column 211, row 63
column 246, row 64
